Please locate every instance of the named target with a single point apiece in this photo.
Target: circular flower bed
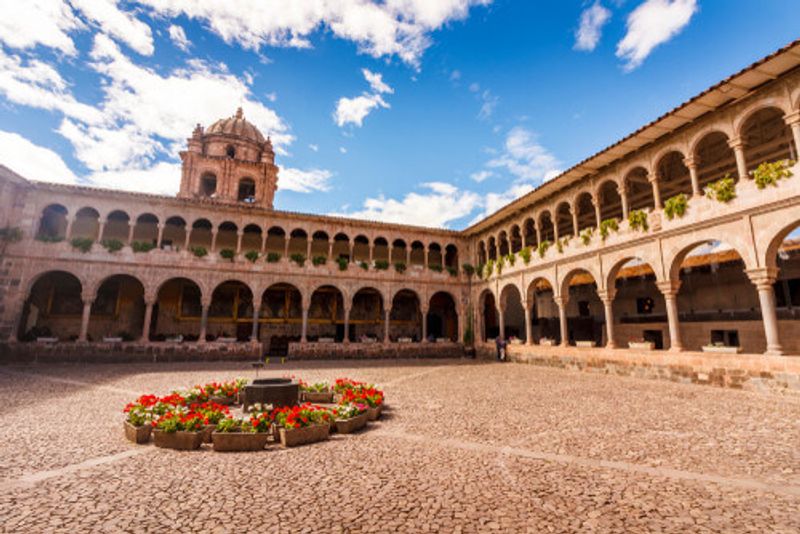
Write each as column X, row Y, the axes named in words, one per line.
column 184, row 420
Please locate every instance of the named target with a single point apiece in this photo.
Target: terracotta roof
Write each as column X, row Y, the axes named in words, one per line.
column 237, row 126
column 731, row 88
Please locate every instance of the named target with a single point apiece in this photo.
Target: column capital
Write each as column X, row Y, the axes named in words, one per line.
column 669, row 288
column 88, row 298
column 607, row 295
column 736, row 142
column 561, row 300
column 205, row 302
column 690, row 162
column 150, row 300
column 792, row 118
column 762, row 277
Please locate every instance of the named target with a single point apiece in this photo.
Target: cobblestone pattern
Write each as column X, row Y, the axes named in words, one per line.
column 464, row 447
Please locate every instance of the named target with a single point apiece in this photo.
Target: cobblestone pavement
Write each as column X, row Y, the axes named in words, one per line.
column 463, row 447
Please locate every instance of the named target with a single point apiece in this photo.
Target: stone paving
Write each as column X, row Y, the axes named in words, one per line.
column 463, row 447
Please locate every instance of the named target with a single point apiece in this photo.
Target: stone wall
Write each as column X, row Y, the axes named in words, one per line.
column 356, row 351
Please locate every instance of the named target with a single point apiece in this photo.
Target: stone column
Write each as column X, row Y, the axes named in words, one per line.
column 691, row 164
column 461, row 320
column 389, row 250
column 623, row 195
column 87, row 312
column 148, row 318
column 528, row 332
column 561, row 302
column 764, row 280
column 793, row 120
column 160, row 237
column 425, row 251
column 654, row 179
column 68, row 230
column 607, row 297
column 670, row 291
column 330, row 250
column 408, row 255
column 264, row 242
column 538, row 233
column 256, row 315
column 501, row 321
column 239, row 236
column 304, row 330
column 204, row 320
column 213, row 240
column 596, row 204
column 346, row 310
column 555, row 233
column 574, row 210
column 188, row 238
column 424, row 324
column 737, row 144
column 286, row 247
column 101, row 228
column 386, row 317
column 352, row 249
column 308, row 248
column 131, row 228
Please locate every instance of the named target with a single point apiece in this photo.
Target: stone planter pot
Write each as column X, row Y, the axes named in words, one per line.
column 347, row 426
column 584, row 344
column 239, row 441
column 304, row 435
column 318, row 396
column 722, row 349
column 182, row 441
column 138, row 434
column 374, row 413
column 207, row 431
column 641, row 345
column 224, row 401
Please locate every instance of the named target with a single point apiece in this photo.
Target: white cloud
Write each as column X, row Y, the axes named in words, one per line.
column 314, row 147
column 495, row 201
column 355, row 110
column 592, row 21
column 178, row 37
column 39, row 22
column 392, row 27
column 525, row 158
column 343, row 150
column 441, row 204
column 480, row 176
column 119, row 24
column 163, row 178
column 488, row 104
column 474, row 87
column 32, row 161
column 376, row 82
column 304, row 181
column 653, row 23
column 272, row 97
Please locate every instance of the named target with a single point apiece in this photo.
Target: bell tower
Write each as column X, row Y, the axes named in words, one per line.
column 231, row 162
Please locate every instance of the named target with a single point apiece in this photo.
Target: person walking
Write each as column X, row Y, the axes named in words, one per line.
column 500, row 342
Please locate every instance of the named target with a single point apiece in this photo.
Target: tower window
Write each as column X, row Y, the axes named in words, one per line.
column 247, row 190
column 230, row 151
column 208, row 185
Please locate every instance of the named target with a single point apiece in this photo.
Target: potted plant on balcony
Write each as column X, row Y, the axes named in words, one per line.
column 318, row 392
column 350, row 417
column 237, row 435
column 138, row 418
column 300, row 425
column 179, row 430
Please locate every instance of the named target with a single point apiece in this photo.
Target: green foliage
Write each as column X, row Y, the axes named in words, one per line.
column 561, row 243
column 723, row 190
column 675, row 206
column 607, row 226
column 84, row 244
column 112, row 245
column 480, row 270
column 542, row 248
column 381, row 265
column 400, row 267
column 453, row 271
column 199, row 251
column 586, row 235
column 468, row 268
column 469, row 334
column 511, row 258
column 273, row 257
column 637, row 219
column 145, row 246
column 299, row 259
column 49, row 238
column 319, row 260
column 227, row 253
column 489, row 268
column 364, row 265
column 252, row 256
column 525, row 254
column 770, row 173
column 11, row 234
column 435, row 267
column 499, row 264
column 343, row 263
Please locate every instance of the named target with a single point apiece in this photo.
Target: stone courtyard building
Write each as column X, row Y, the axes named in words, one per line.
column 673, row 249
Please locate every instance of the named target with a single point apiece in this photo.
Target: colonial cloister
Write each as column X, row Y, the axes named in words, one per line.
column 680, row 237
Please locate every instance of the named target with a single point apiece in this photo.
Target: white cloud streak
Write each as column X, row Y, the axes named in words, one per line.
column 304, row 181
column 653, row 23
column 178, row 37
column 588, row 34
column 525, row 158
column 355, row 110
column 32, row 161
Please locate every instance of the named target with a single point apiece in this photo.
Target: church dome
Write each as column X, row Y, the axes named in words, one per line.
column 237, row 126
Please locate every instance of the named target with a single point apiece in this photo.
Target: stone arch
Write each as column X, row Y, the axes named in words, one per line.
column 117, row 226
column 540, row 298
column 766, row 137
column 585, row 311
column 380, row 249
column 399, row 251
column 361, row 248
column 177, row 309
column 405, row 316
column 487, row 303
column 564, row 219
column 208, row 184
column 639, row 189
column 638, row 307
column 435, row 256
column 246, row 191
column 275, row 243
column 201, row 234
column 584, row 210
column 451, row 257
column 442, row 316
column 589, row 268
column 53, row 306
column 145, row 229
column 320, row 241
column 86, row 224
column 713, row 157
column 610, row 199
column 502, row 244
column 756, row 107
column 175, row 232
column 367, row 313
column 252, row 238
column 482, row 254
column 326, row 313
column 492, row 248
column 53, row 222
column 417, row 253
column 673, row 175
column 685, row 244
column 775, row 233
column 227, row 236
column 720, row 128
column 529, row 232
column 118, row 307
column 546, row 227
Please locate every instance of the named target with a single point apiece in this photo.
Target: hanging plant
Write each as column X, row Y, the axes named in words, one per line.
column 586, row 236
column 637, row 219
column 142, row 246
column 480, row 270
column 453, row 271
column 400, row 267
column 112, row 245
column 364, row 265
column 770, row 173
column 542, row 248
column 381, row 265
column 525, row 254
column 227, row 253
column 343, row 263
column 435, row 267
column 511, row 258
column 319, row 260
column 84, row 244
column 489, row 268
column 49, row 238
column 299, row 259
column 10, row 234
column 501, row 260
column 723, row 190
column 561, row 243
column 468, row 268
column 197, row 251
column 273, row 257
column 251, row 255
column 675, row 206
column 607, row 226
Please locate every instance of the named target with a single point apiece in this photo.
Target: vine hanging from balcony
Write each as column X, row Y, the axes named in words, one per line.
column 542, row 248
column 468, row 269
column 525, row 254
column 480, row 270
column 197, row 251
column 723, row 190
column 770, row 173
column 400, row 267
column 637, row 219
column 586, row 236
column 84, row 244
column 252, row 256
column 299, row 259
column 344, row 263
column 499, row 265
column 273, row 257
column 607, row 226
column 676, row 206
column 112, row 245
column 381, row 265
column 489, row 268
column 319, row 260
column 227, row 253
column 511, row 258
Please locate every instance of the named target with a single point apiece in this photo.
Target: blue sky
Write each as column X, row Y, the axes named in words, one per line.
column 430, row 112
